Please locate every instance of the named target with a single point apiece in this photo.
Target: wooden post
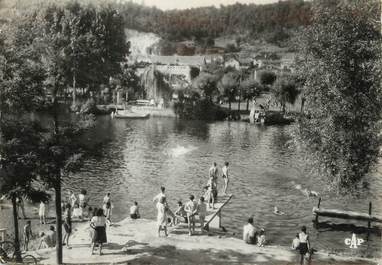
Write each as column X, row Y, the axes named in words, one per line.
column 318, row 206
column 369, row 222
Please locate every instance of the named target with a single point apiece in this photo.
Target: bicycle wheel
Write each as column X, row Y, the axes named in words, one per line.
column 29, row 259
column 8, row 248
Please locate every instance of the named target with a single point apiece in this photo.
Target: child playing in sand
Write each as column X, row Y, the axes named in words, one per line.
column 180, row 213
column 202, row 211
column 261, row 238
column 27, row 234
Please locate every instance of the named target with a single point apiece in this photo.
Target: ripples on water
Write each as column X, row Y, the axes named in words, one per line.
column 142, row 155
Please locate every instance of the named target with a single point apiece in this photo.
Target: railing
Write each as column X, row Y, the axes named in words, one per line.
column 217, row 213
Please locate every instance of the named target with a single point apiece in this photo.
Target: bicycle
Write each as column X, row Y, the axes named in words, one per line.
column 8, row 254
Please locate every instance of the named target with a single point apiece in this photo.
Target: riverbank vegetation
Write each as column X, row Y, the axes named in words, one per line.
column 341, row 74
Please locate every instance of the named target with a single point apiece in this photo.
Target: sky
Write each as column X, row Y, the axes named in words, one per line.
column 183, row 4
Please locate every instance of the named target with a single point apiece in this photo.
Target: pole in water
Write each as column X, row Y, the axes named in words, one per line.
column 318, row 207
column 369, row 222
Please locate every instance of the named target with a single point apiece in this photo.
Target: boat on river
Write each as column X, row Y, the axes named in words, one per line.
column 126, row 114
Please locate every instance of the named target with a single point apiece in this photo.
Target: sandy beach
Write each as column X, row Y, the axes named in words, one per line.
column 136, row 242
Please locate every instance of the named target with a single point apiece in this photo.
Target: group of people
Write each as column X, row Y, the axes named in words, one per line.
column 185, row 213
column 300, row 242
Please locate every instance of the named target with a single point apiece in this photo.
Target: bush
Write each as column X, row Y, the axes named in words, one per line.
column 199, row 109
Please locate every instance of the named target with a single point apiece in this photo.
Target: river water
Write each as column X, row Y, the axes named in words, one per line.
column 266, row 170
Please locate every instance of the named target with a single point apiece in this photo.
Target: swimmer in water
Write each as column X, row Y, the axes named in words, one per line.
column 277, row 211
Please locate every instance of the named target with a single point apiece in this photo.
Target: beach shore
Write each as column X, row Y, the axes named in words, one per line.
column 137, row 242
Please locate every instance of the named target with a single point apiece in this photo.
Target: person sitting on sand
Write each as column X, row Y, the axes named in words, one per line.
column 180, row 213
column 261, row 238
column 296, row 242
column 134, row 211
column 191, row 209
column 162, row 216
column 77, row 211
column 249, row 232
column 48, row 240
column 202, row 212
column 27, row 234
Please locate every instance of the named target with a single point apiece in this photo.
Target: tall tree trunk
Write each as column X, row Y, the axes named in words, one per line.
column 247, row 104
column 57, row 188
column 302, row 105
column 58, row 221
column 238, row 108
column 16, row 226
column 229, row 104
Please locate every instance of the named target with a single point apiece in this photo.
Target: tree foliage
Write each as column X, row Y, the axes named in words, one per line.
column 342, row 88
column 285, row 90
column 267, row 78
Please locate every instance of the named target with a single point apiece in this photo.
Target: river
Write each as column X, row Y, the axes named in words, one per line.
column 266, row 171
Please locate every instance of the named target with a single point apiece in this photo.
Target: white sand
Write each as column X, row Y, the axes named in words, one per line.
column 136, row 241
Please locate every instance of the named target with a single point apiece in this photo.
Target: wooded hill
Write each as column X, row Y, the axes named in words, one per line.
column 274, row 22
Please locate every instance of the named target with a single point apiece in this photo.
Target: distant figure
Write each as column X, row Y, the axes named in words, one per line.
column 202, row 212
column 98, row 223
column 180, row 213
column 20, row 207
column 83, row 200
column 296, row 242
column 313, row 193
column 213, row 172
column 210, row 193
column 48, row 240
column 162, row 216
column 77, row 211
column 41, row 212
column 134, row 211
column 160, row 195
column 72, row 199
column 277, row 211
column 225, row 177
column 67, row 225
column 304, row 245
column 249, row 232
column 107, row 206
column 27, row 234
column 261, row 238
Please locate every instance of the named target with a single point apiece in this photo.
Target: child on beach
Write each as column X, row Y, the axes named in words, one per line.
column 304, row 245
column 202, row 211
column 27, row 234
column 261, row 238
column 134, row 211
column 77, row 211
column 295, row 243
column 41, row 212
column 191, row 209
column 180, row 213
column 48, row 240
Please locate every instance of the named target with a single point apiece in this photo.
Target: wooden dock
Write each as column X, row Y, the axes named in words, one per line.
column 213, row 218
column 349, row 215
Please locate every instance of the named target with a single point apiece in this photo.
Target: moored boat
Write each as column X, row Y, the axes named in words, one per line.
column 131, row 115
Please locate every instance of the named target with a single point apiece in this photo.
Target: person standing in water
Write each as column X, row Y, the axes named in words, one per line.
column 225, row 177
column 304, row 245
column 107, row 206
